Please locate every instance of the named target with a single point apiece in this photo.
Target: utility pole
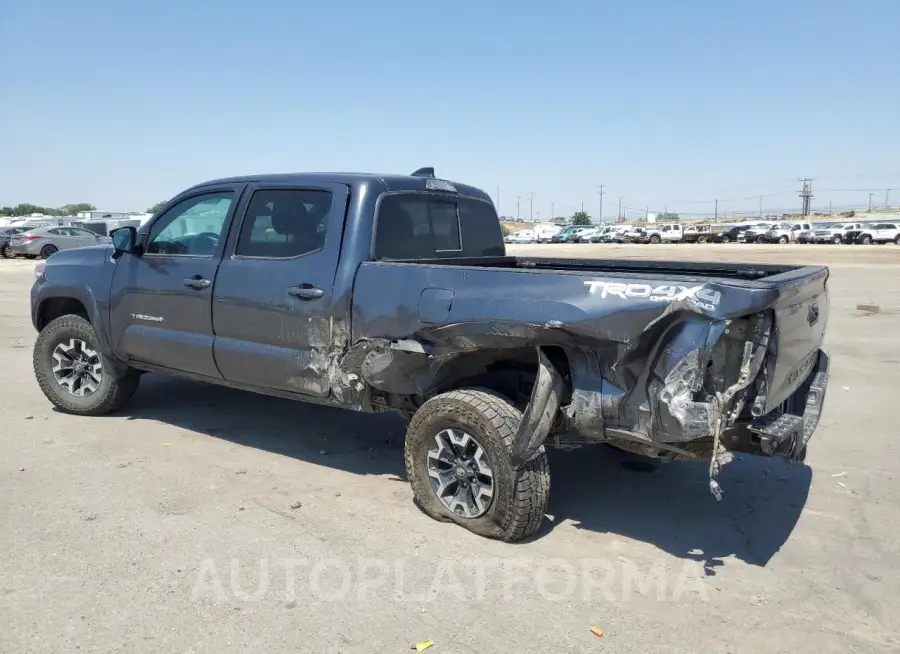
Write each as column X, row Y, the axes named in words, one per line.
column 518, row 206
column 531, row 206
column 887, row 195
column 619, row 214
column 829, row 207
column 552, row 210
column 717, row 210
column 806, row 193
column 600, row 216
column 870, row 201
column 760, row 206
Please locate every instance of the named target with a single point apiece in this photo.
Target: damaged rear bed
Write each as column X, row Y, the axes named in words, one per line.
column 664, row 359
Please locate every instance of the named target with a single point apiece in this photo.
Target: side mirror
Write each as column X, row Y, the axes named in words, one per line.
column 123, row 240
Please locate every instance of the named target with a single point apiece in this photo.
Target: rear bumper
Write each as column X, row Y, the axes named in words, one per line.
column 785, row 433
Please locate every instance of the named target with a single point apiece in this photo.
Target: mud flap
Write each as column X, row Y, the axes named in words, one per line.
column 540, row 413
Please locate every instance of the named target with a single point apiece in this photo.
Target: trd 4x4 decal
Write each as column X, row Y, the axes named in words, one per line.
column 699, row 295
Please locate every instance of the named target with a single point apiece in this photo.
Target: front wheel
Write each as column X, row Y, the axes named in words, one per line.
column 701, row 239
column 458, row 450
column 836, row 239
column 72, row 372
column 865, row 239
column 48, row 251
column 655, row 239
column 783, row 240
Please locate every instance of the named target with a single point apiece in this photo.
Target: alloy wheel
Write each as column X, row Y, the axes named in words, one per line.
column 460, row 473
column 77, row 368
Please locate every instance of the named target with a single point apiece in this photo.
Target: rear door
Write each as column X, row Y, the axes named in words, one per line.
column 160, row 308
column 82, row 238
column 273, row 303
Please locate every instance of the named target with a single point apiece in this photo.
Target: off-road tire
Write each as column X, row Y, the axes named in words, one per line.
column 5, row 253
column 701, row 239
column 520, row 496
column 865, row 239
column 114, row 390
column 655, row 240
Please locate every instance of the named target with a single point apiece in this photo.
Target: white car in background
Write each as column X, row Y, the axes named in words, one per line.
column 880, row 233
column 835, row 233
column 785, row 233
column 521, row 237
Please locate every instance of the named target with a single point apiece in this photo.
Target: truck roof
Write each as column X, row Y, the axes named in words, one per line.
column 387, row 182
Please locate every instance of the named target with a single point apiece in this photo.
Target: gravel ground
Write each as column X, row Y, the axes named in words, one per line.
column 203, row 519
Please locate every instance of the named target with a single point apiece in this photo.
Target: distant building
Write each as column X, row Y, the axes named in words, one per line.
column 102, row 215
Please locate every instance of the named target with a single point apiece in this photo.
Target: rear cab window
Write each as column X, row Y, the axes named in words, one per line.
column 416, row 225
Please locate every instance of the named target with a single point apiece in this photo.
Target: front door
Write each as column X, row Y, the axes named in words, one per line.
column 276, row 321
column 161, row 298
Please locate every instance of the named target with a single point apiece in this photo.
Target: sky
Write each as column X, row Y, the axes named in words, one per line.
column 669, row 105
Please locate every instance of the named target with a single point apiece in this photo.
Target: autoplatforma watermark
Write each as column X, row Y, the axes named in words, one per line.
column 477, row 579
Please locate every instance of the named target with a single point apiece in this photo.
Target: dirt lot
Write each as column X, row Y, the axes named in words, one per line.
column 207, row 520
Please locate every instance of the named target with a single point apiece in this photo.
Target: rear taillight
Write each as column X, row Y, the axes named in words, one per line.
column 29, row 237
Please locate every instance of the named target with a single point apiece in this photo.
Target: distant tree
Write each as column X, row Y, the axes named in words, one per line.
column 667, row 217
column 580, row 218
column 559, row 220
column 156, row 207
column 72, row 209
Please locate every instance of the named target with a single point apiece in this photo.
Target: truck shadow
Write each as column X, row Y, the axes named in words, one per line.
column 669, row 505
column 595, row 488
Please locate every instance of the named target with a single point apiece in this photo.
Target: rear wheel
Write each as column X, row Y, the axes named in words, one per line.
column 865, row 239
column 897, row 240
column 701, row 239
column 724, row 238
column 655, row 239
column 458, row 449
column 836, row 239
column 4, row 251
column 783, row 240
column 72, row 372
column 48, row 250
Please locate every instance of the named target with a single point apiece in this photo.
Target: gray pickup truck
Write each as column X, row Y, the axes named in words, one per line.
column 395, row 293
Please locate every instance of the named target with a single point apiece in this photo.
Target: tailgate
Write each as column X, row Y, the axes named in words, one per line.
column 801, row 315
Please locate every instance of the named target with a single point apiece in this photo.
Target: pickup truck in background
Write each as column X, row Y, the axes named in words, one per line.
column 785, row 233
column 838, row 233
column 697, row 234
column 395, row 293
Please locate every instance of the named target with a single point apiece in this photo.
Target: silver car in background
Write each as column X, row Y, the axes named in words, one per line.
column 46, row 241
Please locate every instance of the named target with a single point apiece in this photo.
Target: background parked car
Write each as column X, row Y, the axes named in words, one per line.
column 730, row 234
column 569, row 233
column 784, row 233
column 752, row 234
column 880, row 233
column 696, row 234
column 5, row 234
column 45, row 241
column 835, row 233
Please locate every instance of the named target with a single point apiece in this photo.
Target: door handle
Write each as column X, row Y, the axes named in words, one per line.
column 306, row 292
column 196, row 282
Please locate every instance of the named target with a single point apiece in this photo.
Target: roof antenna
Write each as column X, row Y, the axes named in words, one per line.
column 424, row 172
